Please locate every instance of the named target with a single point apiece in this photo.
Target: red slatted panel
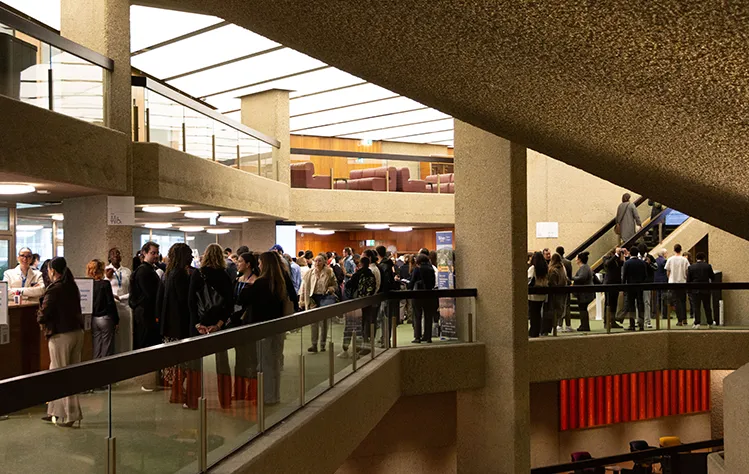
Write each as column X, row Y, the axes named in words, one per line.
column 564, row 403
column 634, row 412
column 608, row 388
column 591, row 399
column 658, row 394
column 674, row 392
column 600, row 413
column 617, row 384
column 706, row 390
column 682, row 405
column 651, row 395
column 696, row 389
column 689, row 404
column 666, row 392
column 642, row 401
column 581, row 411
column 573, row 404
column 625, row 397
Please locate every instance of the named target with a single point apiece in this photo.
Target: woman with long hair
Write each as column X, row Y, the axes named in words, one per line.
column 537, row 277
column 104, row 316
column 245, row 364
column 211, row 303
column 174, row 320
column 584, row 276
column 556, row 305
column 62, row 322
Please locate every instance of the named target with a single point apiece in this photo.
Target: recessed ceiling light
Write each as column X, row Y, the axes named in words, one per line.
column 376, row 226
column 192, row 228
column 232, row 220
column 29, row 227
column 401, row 229
column 218, row 231
column 324, row 232
column 157, row 225
column 161, row 209
column 11, row 188
column 190, row 237
column 201, row 214
column 58, row 217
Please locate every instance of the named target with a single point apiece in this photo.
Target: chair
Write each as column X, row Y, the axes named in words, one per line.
column 670, row 463
column 370, row 179
column 642, row 466
column 446, row 183
column 407, row 185
column 303, row 176
column 668, row 441
column 584, row 456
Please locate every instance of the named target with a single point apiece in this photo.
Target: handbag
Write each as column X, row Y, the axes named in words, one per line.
column 618, row 229
column 210, row 303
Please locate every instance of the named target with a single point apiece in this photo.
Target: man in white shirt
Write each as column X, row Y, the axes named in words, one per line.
column 676, row 269
column 25, row 279
column 119, row 278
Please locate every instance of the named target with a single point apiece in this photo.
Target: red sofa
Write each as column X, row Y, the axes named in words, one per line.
column 446, row 183
column 408, row 185
column 303, row 176
column 370, row 179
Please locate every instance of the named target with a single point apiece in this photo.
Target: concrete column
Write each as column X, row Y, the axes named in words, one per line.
column 259, row 236
column 88, row 236
column 268, row 112
column 736, row 420
column 490, row 224
column 104, row 26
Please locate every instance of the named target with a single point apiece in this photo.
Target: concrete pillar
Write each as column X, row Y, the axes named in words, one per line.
column 490, row 222
column 104, row 26
column 268, row 112
column 88, row 235
column 259, row 236
column 736, row 420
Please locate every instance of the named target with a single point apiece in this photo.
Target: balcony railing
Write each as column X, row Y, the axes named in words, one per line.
column 163, row 115
column 42, row 68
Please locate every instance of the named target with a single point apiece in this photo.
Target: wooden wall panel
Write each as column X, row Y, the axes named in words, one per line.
column 405, row 242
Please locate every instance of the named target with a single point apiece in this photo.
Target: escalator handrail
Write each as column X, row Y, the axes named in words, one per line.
column 660, row 218
column 600, row 233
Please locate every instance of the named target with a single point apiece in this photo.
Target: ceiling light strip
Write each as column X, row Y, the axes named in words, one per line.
column 359, row 119
column 181, row 37
column 225, row 63
column 295, row 74
column 329, row 90
column 418, row 134
column 346, row 106
column 371, row 156
column 393, row 126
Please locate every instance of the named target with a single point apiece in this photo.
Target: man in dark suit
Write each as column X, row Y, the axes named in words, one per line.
column 635, row 271
column 701, row 272
column 612, row 262
column 567, row 306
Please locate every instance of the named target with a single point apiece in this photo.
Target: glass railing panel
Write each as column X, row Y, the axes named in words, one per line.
column 31, row 444
column 317, row 357
column 156, row 421
column 226, row 144
column 78, row 87
column 249, row 157
column 230, row 388
column 165, row 120
column 267, row 163
column 280, row 356
column 198, row 134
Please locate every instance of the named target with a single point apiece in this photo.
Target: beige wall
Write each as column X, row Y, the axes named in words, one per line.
column 417, row 436
column 550, row 446
column 728, row 255
column 580, row 202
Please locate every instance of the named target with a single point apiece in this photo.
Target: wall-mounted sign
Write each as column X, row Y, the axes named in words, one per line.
column 3, row 302
column 86, row 288
column 547, row 230
column 120, row 210
column 370, row 243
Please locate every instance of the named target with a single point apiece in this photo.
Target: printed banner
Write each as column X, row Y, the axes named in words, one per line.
column 446, row 280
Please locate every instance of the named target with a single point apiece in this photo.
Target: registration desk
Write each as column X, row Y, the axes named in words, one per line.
column 26, row 352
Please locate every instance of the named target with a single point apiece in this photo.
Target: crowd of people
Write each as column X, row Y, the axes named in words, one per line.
column 620, row 266
column 171, row 298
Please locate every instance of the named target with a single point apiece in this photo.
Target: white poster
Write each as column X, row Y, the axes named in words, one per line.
column 547, row 230
column 86, row 287
column 3, row 302
column 121, row 210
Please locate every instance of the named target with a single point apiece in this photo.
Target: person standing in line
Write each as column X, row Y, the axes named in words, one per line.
column 635, row 272
column 349, row 267
column 701, row 272
column 556, row 303
column 369, row 314
column 174, row 320
column 547, row 256
column 318, row 289
column 423, row 278
column 23, row 279
column 627, row 218
column 583, row 276
column 60, row 318
column 144, row 286
column 361, row 284
column 388, row 309
column 119, row 279
column 676, row 269
column 303, row 267
column 245, row 365
column 690, row 294
column 537, row 277
column 104, row 317
column 566, row 313
column 612, row 262
column 661, row 277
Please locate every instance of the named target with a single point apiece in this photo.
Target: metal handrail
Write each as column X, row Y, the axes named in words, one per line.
column 29, row 390
column 28, row 27
column 564, row 290
column 190, row 103
column 633, row 456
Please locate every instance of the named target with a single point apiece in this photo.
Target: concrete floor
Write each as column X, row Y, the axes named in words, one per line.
column 155, row 436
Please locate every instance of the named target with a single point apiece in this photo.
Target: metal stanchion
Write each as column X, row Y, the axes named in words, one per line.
column 331, row 361
column 372, row 329
column 111, row 455
column 395, row 332
column 607, row 316
column 260, row 402
column 354, row 354
column 470, row 327
column 654, row 304
column 668, row 316
column 301, row 380
column 184, row 137
column 203, row 433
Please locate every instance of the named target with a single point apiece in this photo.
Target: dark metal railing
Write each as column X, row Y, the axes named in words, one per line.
column 33, row 389
column 564, row 290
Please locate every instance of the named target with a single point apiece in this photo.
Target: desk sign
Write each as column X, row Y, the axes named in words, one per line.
column 4, row 302
column 86, row 287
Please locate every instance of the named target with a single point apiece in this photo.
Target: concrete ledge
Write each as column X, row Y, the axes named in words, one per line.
column 162, row 173
column 736, row 421
column 601, row 354
column 37, row 146
column 327, row 205
column 321, row 436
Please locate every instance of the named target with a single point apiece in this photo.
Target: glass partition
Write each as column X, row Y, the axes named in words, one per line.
column 36, row 234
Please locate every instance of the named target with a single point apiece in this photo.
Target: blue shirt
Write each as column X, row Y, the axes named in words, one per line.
column 660, row 274
column 349, row 267
column 296, row 276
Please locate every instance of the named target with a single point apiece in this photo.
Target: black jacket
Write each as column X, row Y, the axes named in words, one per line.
column 567, row 268
column 60, row 311
column 144, row 287
column 423, row 278
column 261, row 303
column 387, row 275
column 613, row 266
column 700, row 272
column 218, row 279
column 171, row 305
column 635, row 271
column 103, row 302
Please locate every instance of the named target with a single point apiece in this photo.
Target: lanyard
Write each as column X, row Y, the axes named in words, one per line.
column 119, row 279
column 24, row 278
column 240, row 287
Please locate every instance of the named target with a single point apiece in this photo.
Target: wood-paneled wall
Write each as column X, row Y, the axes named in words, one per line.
column 342, row 166
column 405, row 242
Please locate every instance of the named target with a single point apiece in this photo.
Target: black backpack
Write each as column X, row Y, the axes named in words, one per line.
column 387, row 277
column 210, row 303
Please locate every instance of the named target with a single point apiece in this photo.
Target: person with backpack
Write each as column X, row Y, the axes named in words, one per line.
column 361, row 284
column 211, row 303
column 388, row 309
column 423, row 278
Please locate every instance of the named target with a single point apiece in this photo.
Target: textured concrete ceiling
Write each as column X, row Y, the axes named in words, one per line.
column 653, row 96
